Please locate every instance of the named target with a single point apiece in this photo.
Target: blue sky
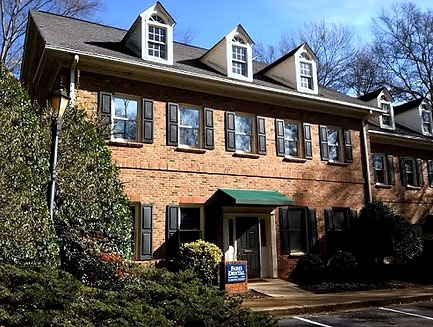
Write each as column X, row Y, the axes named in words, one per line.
column 264, row 20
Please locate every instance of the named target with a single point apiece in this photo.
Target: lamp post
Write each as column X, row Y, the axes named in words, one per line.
column 59, row 102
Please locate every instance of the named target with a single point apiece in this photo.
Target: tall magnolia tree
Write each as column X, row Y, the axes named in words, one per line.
column 403, row 48
column 13, row 20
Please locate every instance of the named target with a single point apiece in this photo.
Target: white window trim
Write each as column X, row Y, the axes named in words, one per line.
column 146, row 22
column 113, row 117
column 314, row 82
column 391, row 112
column 202, row 217
column 340, row 144
column 200, row 126
column 384, row 169
column 429, row 110
column 161, row 26
column 229, row 56
column 414, row 172
column 253, row 133
column 300, row 139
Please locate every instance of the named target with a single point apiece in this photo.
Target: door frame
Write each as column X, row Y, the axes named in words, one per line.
column 269, row 217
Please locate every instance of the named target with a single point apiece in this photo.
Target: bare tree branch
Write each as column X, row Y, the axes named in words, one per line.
column 13, row 18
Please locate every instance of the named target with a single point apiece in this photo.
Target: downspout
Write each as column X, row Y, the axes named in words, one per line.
column 366, row 168
column 72, row 79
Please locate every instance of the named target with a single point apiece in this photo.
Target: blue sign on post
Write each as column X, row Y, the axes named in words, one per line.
column 236, row 272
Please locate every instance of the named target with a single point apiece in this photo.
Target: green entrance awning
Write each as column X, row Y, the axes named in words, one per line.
column 255, row 197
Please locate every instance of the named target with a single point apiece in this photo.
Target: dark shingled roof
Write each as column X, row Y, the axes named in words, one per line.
column 80, row 35
column 371, row 95
column 407, row 106
column 399, row 130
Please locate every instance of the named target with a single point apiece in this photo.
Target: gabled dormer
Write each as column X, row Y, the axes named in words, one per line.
column 233, row 55
column 151, row 35
column 382, row 99
column 296, row 69
column 416, row 115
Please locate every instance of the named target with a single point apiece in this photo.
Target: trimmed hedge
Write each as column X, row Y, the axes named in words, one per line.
column 342, row 267
column 309, row 269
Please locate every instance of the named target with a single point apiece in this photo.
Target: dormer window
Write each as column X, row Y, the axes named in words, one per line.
column 426, row 116
column 306, row 75
column 151, row 35
column 387, row 118
column 157, row 44
column 239, row 56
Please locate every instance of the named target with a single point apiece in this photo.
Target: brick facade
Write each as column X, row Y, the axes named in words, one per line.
column 161, row 175
column 413, row 203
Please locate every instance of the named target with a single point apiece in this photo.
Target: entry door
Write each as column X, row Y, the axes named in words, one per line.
column 247, row 235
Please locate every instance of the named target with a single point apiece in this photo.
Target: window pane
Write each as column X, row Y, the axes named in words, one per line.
column 334, row 152
column 333, row 137
column 291, row 148
column 296, row 217
column 125, row 108
column 189, row 117
column 189, row 136
column 126, row 130
column 189, row 236
column 386, row 120
column 386, row 107
column 239, row 53
column 306, row 69
column 378, row 162
column 190, row 218
column 243, row 143
column 244, row 124
column 291, row 131
column 339, row 220
column 119, row 128
column 296, row 241
column 239, row 68
column 306, row 82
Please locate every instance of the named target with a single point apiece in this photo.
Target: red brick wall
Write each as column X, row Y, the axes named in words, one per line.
column 412, row 203
column 157, row 174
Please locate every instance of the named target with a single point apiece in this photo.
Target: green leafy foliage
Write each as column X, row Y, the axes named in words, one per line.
column 89, row 197
column 149, row 297
column 202, row 258
column 342, row 267
column 309, row 269
column 26, row 233
column 382, row 233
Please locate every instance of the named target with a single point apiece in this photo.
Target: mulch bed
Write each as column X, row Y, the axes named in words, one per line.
column 250, row 295
column 335, row 287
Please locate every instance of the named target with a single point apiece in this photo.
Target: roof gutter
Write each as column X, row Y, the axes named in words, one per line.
column 367, row 109
column 400, row 137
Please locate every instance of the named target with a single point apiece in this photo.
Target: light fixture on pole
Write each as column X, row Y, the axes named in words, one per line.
column 59, row 101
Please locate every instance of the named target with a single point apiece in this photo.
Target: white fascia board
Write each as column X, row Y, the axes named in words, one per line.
column 369, row 110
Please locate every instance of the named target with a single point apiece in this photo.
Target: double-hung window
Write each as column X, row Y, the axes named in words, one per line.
column 157, row 43
column 379, row 168
column 334, row 145
column 409, row 171
column 190, row 225
column 298, row 229
column 426, row 116
column 125, row 118
column 189, row 126
column 239, row 56
column 244, row 133
column 306, row 70
column 337, row 224
column 291, row 139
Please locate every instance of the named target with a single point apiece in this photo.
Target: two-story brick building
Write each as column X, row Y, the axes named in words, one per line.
column 402, row 155
column 211, row 144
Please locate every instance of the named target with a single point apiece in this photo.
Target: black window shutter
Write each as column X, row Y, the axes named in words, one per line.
column 209, row 142
column 284, row 230
column 105, row 100
column 308, row 145
column 279, row 137
column 390, row 169
column 172, row 227
column 147, row 118
column 419, row 173
column 329, row 220
column 348, row 153
column 172, row 123
column 323, row 137
column 430, row 172
column 312, row 229
column 403, row 178
column 230, row 131
column 146, row 232
column 261, row 135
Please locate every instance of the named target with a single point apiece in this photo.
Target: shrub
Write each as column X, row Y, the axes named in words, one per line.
column 342, row 266
column 151, row 297
column 308, row 270
column 383, row 233
column 202, row 258
column 27, row 235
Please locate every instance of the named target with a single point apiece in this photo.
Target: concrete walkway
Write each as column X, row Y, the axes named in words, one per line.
column 286, row 299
